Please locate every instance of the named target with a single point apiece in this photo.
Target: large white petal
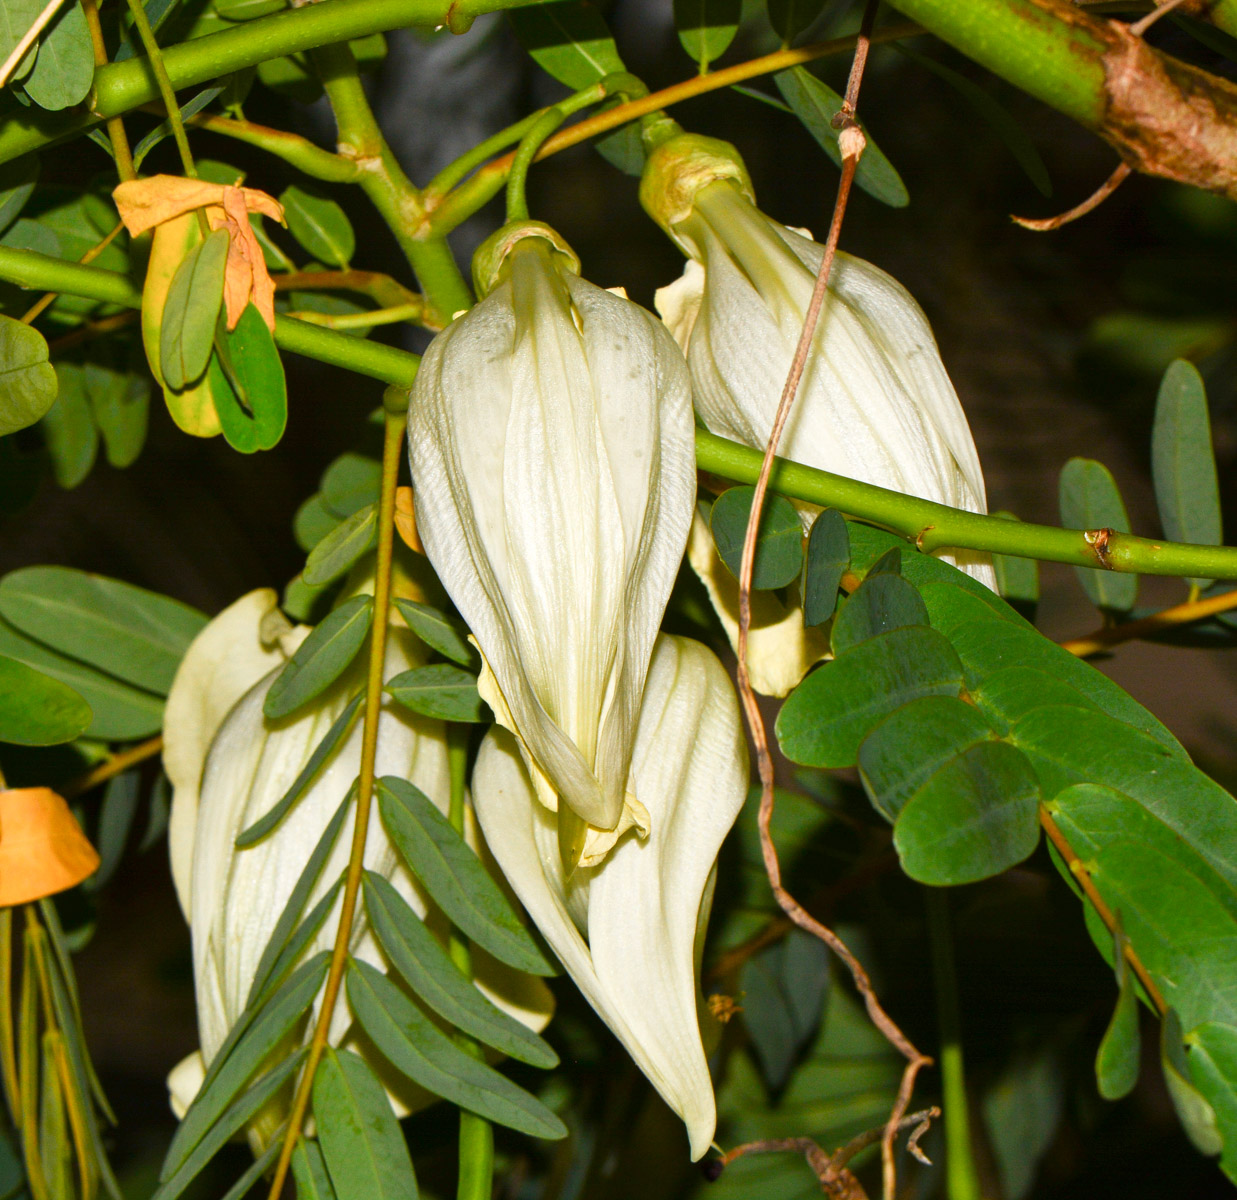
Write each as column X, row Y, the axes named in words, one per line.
column 641, row 905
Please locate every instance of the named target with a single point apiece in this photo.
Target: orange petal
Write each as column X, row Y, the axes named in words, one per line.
column 406, row 521
column 42, row 847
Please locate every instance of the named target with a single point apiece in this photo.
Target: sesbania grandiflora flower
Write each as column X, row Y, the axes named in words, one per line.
column 874, row 404
column 629, row 930
column 553, row 462
column 229, row 765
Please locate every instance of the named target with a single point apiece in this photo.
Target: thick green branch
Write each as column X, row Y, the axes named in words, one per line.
column 1163, row 116
column 931, row 526
column 123, row 86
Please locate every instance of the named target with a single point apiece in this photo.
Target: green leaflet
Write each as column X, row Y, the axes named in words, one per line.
column 16, row 17
column 1117, row 1059
column 790, row 18
column 116, row 815
column 27, row 379
column 120, row 712
column 341, row 546
column 1212, row 1051
column 826, row 561
column 132, row 634
column 706, row 28
column 309, row 1171
column 816, row 104
column 419, row 1050
column 120, row 402
column 312, row 522
column 1183, row 464
column 454, row 876
column 321, row 658
column 1090, row 500
column 428, row 970
column 1017, row 579
column 191, row 311
column 569, row 39
column 349, row 483
column 440, row 632
column 880, row 603
column 229, row 1073
column 1197, row 1116
column 440, row 690
column 358, row 1134
column 779, row 541
column 64, row 69
column 37, row 710
column 833, row 709
column 70, row 435
column 18, row 177
column 339, row 730
column 320, row 225
column 251, row 395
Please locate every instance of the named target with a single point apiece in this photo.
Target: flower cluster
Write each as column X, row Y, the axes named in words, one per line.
column 551, row 442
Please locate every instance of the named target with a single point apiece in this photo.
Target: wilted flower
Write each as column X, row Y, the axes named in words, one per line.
column 42, row 847
column 874, row 404
column 629, row 930
column 550, row 433
column 229, row 765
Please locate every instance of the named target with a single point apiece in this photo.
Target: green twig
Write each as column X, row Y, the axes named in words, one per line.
column 530, row 143
column 116, row 136
column 166, row 91
column 296, row 151
column 961, row 1177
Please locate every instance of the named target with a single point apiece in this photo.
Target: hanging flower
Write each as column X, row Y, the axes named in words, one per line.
column 628, row 929
column 229, row 765
column 874, row 404
column 553, row 463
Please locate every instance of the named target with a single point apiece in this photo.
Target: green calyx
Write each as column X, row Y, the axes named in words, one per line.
column 677, row 170
column 487, row 263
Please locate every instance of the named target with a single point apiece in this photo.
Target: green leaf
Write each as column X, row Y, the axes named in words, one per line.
column 1198, row 1118
column 1006, row 696
column 880, row 603
column 1212, row 1050
column 339, row 729
column 27, row 379
column 1017, row 579
column 257, row 1168
column 163, row 131
column 359, row 1136
column 1090, row 500
column 191, row 311
column 230, row 1123
column 350, row 482
column 454, row 877
column 135, row 635
column 321, row 658
column 790, row 18
column 706, row 28
column 69, row 432
column 826, row 717
column 570, row 40
column 1022, row 1112
column 310, row 1173
column 312, row 522
column 16, row 18
column 252, row 402
column 120, row 401
column 447, row 635
column 779, row 541
column 341, row 547
column 1118, row 1057
column 17, row 177
column 37, row 710
column 784, row 989
column 427, row 968
column 911, row 744
column 229, row 1073
column 816, row 104
column 116, row 815
column 976, row 816
column 119, row 712
column 440, row 690
column 1183, row 463
column 319, row 225
column 64, row 69
column 998, row 118
column 827, row 560
column 416, row 1048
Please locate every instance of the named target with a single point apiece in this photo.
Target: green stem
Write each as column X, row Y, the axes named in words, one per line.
column 166, row 91
column 295, row 150
column 530, row 143
column 931, row 526
column 390, row 191
column 961, row 1177
column 476, row 1173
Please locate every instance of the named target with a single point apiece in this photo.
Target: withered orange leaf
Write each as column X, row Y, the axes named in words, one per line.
column 42, row 848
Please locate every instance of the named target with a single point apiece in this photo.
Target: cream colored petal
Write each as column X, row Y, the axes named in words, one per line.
column 678, row 303
column 780, row 649
column 184, row 1082
column 222, row 663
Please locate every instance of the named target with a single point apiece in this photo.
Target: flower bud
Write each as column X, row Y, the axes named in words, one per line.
column 553, row 462
column 628, row 928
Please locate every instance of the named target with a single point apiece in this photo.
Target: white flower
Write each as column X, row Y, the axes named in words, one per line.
column 629, row 930
column 553, row 461
column 229, row 765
